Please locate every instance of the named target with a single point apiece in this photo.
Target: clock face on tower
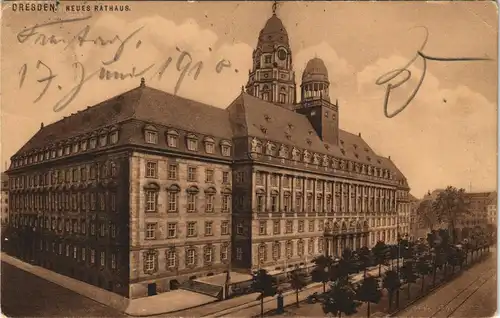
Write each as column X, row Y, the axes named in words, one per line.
column 281, row 54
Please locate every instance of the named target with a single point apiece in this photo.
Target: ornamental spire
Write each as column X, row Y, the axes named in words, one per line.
column 275, row 6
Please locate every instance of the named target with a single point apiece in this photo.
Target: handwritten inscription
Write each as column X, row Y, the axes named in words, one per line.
column 406, row 75
column 184, row 63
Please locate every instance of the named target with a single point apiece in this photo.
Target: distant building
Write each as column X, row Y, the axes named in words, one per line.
column 148, row 190
column 416, row 228
column 492, row 208
column 4, row 197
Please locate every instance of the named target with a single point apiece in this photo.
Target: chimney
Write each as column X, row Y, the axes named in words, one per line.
column 41, row 125
column 389, row 157
column 359, row 134
column 143, row 82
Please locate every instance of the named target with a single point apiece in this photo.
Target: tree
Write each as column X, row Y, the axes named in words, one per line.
column 426, row 215
column 380, row 252
column 449, row 206
column 391, row 283
column 369, row 292
column 265, row 285
column 340, row 272
column 321, row 271
column 298, row 282
column 423, row 269
column 364, row 259
column 340, row 299
column 408, row 274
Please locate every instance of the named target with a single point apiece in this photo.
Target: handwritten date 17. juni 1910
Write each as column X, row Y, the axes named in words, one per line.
column 183, row 63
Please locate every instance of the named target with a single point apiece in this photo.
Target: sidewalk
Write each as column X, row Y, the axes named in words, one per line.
column 154, row 305
column 253, row 308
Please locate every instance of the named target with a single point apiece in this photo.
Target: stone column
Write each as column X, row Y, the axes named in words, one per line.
column 268, row 192
column 281, row 192
column 293, row 197
column 253, row 196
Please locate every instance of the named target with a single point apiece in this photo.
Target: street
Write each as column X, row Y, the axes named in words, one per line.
column 26, row 295
column 473, row 294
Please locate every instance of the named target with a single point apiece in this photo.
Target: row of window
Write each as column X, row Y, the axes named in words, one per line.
column 65, row 201
column 84, row 173
column 191, row 255
column 290, row 251
column 283, row 151
column 68, row 226
column 192, row 141
column 153, row 233
column 192, row 173
column 69, row 147
column 81, row 254
column 284, row 181
column 192, row 201
column 340, row 204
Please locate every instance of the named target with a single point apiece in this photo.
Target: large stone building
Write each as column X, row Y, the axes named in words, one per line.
column 147, row 190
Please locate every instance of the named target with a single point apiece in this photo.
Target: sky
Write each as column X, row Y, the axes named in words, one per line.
column 447, row 135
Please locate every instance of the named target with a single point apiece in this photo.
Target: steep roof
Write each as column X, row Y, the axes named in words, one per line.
column 255, row 117
column 142, row 103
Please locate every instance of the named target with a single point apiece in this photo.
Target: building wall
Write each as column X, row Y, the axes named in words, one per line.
column 71, row 217
column 169, row 262
column 301, row 230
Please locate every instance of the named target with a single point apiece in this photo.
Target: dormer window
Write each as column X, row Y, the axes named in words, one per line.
column 66, row 150
column 226, row 148
column 93, row 143
column 83, row 145
column 192, row 142
column 53, row 154
column 75, row 148
column 173, row 139
column 103, row 140
column 209, row 145
column 151, row 137
column 267, row 59
column 113, row 137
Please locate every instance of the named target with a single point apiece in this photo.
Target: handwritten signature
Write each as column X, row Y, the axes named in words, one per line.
column 184, row 62
column 406, row 73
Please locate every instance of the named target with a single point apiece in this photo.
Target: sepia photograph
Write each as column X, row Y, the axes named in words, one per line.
column 248, row 158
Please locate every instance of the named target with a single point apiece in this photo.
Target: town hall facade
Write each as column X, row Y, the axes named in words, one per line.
column 147, row 189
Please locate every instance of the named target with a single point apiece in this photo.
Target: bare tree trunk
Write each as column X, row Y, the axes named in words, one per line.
column 423, row 282
column 297, row 296
column 368, row 311
column 262, row 306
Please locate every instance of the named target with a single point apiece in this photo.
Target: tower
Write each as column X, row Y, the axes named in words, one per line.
column 315, row 101
column 272, row 77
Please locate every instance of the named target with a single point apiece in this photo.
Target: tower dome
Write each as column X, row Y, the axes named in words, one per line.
column 274, row 32
column 315, row 83
column 315, row 71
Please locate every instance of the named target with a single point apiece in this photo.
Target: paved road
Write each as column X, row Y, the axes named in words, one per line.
column 26, row 295
column 473, row 294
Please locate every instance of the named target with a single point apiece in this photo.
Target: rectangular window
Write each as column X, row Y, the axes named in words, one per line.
column 151, row 231
column 151, row 169
column 226, row 202
column 301, row 226
column 172, row 230
column 208, row 228
column 171, row 258
column 83, row 253
column 311, row 226
column 172, row 141
column 274, row 203
column 113, row 261
column 191, row 229
column 262, row 228
column 192, row 144
column 191, row 257
column 191, row 202
column 92, row 256
column 274, row 180
column 151, row 201
column 276, row 227
column 172, row 202
column 225, row 177
column 260, row 203
column 209, row 202
column 191, row 177
column 240, row 177
column 151, row 137
column 209, row 175
column 172, row 172
column 289, row 226
column 224, row 228
column 226, row 151
column 103, row 258
column 259, row 178
column 239, row 253
column 150, row 262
